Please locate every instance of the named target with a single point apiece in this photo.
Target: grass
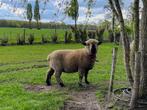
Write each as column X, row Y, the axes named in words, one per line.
column 12, row 33
column 14, row 96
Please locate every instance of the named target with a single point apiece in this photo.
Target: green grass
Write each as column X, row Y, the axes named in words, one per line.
column 14, row 96
column 12, row 33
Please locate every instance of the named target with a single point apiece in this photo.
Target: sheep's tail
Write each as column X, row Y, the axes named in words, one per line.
column 48, row 58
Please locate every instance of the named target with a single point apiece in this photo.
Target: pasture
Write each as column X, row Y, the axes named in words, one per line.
column 12, row 34
column 26, row 66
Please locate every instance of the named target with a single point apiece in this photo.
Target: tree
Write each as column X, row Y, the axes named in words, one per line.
column 115, row 6
column 139, row 90
column 29, row 13
column 108, row 7
column 73, row 11
column 36, row 13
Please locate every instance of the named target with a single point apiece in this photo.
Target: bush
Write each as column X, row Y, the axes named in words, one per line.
column 4, row 40
column 92, row 34
column 44, row 39
column 77, row 36
column 83, row 35
column 54, row 38
column 20, row 39
column 67, row 37
column 31, row 38
column 99, row 33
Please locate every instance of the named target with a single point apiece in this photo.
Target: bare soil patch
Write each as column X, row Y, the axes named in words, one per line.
column 38, row 88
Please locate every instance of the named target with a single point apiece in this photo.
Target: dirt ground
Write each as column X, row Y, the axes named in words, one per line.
column 79, row 100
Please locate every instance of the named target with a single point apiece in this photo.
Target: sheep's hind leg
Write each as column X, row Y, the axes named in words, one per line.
column 86, row 75
column 80, row 79
column 59, row 81
column 49, row 75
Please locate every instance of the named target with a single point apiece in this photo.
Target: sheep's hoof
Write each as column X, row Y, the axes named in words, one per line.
column 87, row 82
column 81, row 85
column 61, row 84
column 48, row 83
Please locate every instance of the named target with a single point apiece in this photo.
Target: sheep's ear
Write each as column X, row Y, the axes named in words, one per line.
column 84, row 43
column 99, row 43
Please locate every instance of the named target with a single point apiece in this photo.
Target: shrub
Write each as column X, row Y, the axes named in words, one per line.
column 4, row 40
column 54, row 38
column 20, row 39
column 31, row 38
column 99, row 33
column 44, row 39
column 92, row 34
column 83, row 35
column 67, row 37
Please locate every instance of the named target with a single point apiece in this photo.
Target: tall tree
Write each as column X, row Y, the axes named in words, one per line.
column 136, row 61
column 29, row 13
column 73, row 11
column 115, row 6
column 143, row 49
column 36, row 13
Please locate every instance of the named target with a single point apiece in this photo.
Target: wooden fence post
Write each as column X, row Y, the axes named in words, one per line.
column 114, row 58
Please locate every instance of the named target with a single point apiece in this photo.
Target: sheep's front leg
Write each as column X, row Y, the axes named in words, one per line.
column 49, row 75
column 80, row 78
column 59, row 81
column 86, row 75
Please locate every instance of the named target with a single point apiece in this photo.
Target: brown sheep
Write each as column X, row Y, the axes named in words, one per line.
column 78, row 60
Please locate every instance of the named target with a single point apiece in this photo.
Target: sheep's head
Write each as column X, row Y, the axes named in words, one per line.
column 92, row 45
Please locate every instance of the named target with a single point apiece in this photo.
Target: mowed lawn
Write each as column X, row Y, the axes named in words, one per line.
column 21, row 66
column 12, row 34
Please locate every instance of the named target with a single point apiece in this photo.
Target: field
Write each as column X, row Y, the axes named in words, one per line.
column 24, row 66
column 12, row 34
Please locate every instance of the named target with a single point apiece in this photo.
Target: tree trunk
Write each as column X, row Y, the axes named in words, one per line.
column 143, row 49
column 126, row 44
column 30, row 24
column 136, row 60
column 115, row 6
column 135, row 90
column 136, row 24
column 113, row 28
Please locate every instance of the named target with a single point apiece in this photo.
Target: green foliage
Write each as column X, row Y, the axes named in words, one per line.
column 31, row 38
column 36, row 13
column 67, row 37
column 99, row 33
column 29, row 13
column 44, row 39
column 20, row 39
column 54, row 38
column 4, row 40
column 91, row 34
column 83, row 35
column 73, row 9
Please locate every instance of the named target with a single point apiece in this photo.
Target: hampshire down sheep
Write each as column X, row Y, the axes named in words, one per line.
column 69, row 61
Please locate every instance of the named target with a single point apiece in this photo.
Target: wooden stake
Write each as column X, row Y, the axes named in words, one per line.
column 114, row 57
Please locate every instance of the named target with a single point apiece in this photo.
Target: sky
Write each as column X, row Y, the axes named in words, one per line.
column 16, row 11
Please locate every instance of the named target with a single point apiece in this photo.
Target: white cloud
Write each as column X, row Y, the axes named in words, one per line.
column 17, row 11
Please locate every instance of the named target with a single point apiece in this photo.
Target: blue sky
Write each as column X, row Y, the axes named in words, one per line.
column 16, row 11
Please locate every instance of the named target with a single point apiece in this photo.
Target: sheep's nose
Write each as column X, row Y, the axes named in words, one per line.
column 93, row 49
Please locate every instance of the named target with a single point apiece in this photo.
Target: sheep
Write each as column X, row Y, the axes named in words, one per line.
column 69, row 61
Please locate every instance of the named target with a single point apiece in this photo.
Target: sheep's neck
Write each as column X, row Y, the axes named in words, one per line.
column 92, row 56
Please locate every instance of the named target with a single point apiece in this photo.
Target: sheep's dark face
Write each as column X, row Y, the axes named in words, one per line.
column 92, row 46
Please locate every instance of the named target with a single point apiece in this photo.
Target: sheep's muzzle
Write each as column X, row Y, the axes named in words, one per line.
column 93, row 49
